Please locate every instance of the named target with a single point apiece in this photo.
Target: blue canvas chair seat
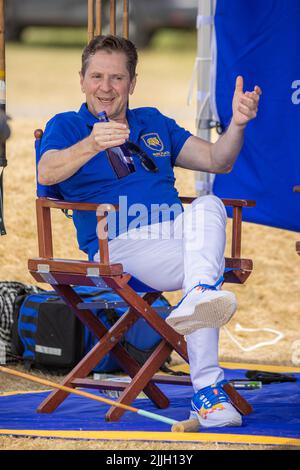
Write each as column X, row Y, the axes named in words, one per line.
column 64, row 274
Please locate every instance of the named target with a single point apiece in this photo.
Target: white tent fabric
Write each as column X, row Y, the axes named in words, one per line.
column 204, row 69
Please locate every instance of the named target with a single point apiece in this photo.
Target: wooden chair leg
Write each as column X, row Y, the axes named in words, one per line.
column 109, row 340
column 84, row 367
column 81, row 370
column 140, row 381
column 147, row 312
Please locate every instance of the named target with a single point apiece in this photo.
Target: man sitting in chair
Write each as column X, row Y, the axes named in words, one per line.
column 156, row 241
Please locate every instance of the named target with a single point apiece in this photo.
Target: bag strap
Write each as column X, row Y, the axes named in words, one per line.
column 2, row 226
column 167, row 370
column 141, row 357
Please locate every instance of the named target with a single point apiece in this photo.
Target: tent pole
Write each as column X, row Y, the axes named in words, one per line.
column 205, row 27
column 3, row 161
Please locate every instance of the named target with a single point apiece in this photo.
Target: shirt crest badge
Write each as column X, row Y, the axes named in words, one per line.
column 153, row 142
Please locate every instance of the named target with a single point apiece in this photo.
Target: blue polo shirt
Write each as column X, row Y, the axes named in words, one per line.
column 144, row 197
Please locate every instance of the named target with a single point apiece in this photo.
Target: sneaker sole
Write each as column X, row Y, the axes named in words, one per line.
column 212, row 314
column 235, row 421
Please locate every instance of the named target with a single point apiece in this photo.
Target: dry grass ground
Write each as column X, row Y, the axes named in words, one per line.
column 43, row 81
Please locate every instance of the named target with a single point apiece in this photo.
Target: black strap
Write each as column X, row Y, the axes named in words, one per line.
column 167, row 370
column 270, row 377
column 4, row 135
column 2, row 226
column 66, row 212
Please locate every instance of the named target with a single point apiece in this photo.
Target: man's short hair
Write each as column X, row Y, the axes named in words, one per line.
column 110, row 43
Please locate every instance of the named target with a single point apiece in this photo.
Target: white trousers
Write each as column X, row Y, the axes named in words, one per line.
column 178, row 255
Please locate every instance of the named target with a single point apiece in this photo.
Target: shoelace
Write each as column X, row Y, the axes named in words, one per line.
column 204, row 287
column 209, row 397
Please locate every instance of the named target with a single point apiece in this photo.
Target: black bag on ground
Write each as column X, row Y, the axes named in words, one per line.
column 47, row 334
column 9, row 292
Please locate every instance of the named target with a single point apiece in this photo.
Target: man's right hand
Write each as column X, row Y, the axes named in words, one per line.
column 58, row 165
column 108, row 134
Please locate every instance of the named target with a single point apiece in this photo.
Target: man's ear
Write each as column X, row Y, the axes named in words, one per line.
column 81, row 82
column 132, row 85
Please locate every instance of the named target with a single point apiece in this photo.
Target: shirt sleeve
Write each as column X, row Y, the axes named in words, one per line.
column 178, row 137
column 61, row 132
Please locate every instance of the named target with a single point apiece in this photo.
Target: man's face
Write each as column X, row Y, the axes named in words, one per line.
column 107, row 84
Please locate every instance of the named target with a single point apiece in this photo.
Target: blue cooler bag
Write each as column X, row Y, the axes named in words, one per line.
column 47, row 333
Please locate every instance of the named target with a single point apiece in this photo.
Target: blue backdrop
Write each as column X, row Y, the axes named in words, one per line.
column 261, row 41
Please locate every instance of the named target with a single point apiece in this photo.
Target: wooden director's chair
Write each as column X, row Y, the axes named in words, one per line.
column 63, row 274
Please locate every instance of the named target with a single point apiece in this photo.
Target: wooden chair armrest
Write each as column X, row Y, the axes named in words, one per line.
column 82, row 206
column 226, row 202
column 237, row 205
column 43, row 207
column 74, row 266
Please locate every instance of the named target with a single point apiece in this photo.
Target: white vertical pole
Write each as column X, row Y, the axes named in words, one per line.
column 3, row 161
column 205, row 27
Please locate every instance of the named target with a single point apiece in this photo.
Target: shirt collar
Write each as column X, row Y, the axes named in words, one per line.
column 86, row 115
column 134, row 123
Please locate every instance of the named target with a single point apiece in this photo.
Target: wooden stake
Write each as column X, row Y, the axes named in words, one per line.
column 98, row 17
column 90, row 20
column 3, row 161
column 125, row 19
column 112, row 16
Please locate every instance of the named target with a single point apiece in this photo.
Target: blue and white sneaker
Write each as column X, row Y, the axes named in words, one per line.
column 202, row 308
column 212, row 407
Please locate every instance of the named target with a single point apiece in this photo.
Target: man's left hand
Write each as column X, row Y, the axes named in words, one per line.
column 244, row 105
